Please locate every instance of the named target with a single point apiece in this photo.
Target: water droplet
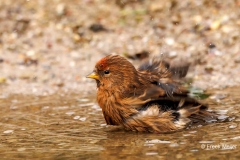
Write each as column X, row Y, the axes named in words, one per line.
column 61, row 144
column 83, row 119
column 151, row 153
column 76, row 117
column 194, row 150
column 192, row 131
column 83, row 100
column 70, row 113
column 231, row 118
column 173, row 145
column 222, row 111
column 235, row 138
column 205, row 141
column 85, row 104
column 157, row 141
column 222, row 117
column 232, row 126
column 8, row 131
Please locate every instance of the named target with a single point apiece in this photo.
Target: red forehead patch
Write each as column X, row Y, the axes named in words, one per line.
column 102, row 63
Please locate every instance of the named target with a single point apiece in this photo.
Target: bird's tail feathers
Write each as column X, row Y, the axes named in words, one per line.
column 193, row 114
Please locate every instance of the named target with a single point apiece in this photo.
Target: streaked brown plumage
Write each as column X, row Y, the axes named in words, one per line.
column 145, row 99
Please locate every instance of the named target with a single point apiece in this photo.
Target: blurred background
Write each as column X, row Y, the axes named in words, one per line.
column 48, row 107
column 50, row 45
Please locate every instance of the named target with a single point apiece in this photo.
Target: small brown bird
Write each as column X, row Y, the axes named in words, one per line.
column 146, row 99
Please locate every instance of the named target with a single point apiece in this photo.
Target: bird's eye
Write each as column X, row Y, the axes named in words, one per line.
column 106, row 72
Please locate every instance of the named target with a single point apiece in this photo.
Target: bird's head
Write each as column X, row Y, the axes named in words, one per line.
column 113, row 70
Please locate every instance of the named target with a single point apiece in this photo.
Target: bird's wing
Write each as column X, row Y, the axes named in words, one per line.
column 163, row 69
column 183, row 108
column 166, row 93
column 164, row 113
column 179, row 70
column 153, row 118
column 160, row 73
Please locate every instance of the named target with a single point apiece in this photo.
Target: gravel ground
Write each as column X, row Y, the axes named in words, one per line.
column 50, row 46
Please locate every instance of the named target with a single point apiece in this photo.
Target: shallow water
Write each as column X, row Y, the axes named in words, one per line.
column 68, row 126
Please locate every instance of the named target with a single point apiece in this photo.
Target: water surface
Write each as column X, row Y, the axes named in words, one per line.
column 70, row 126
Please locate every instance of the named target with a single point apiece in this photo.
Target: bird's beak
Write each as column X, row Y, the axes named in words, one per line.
column 93, row 75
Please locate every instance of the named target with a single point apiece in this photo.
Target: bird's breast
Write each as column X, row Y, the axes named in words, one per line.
column 114, row 111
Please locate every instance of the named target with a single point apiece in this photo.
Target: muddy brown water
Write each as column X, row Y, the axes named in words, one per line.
column 69, row 126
